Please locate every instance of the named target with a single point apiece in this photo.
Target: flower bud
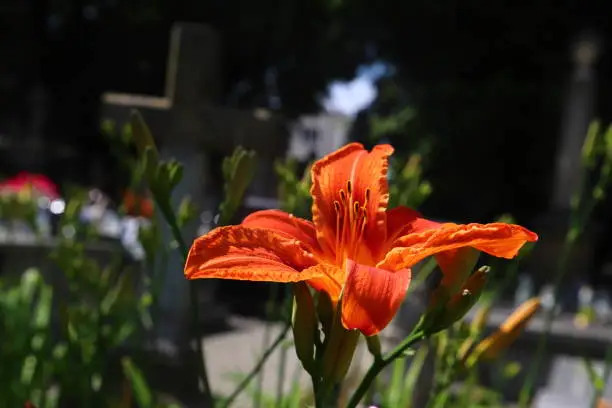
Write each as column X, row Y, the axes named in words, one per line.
column 325, row 311
column 456, row 266
column 238, row 171
column 374, row 347
column 142, row 136
column 304, row 325
column 338, row 354
column 480, row 320
column 589, row 147
column 458, row 305
column 491, row 347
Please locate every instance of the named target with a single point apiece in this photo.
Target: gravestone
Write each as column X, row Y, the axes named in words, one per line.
column 318, row 135
column 187, row 124
column 552, row 226
column 569, row 384
column 565, row 341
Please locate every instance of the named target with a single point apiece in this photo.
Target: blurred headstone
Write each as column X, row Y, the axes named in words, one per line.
column 318, row 135
column 189, row 126
column 567, row 344
column 569, row 384
column 553, row 226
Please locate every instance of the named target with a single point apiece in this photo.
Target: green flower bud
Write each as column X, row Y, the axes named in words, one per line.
column 304, row 325
column 142, row 136
column 459, row 304
column 338, row 355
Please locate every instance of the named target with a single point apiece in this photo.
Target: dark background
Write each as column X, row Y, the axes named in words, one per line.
column 487, row 79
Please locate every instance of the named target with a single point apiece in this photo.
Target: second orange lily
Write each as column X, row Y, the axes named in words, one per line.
column 355, row 249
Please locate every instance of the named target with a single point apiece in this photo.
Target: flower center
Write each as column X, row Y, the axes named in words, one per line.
column 351, row 222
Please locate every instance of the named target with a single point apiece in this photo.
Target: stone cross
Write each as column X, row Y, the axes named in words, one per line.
column 187, row 123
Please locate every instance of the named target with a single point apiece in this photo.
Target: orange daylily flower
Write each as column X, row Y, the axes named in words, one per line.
column 355, row 249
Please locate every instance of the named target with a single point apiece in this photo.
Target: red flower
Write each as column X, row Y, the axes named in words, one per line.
column 40, row 185
column 137, row 206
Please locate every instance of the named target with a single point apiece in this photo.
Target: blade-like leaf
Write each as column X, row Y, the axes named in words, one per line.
column 140, row 388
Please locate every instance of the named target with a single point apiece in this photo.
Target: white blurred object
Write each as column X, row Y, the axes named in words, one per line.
column 207, row 220
column 129, row 236
column 318, row 135
column 547, row 297
column 602, row 304
column 524, row 290
column 57, row 207
column 585, row 296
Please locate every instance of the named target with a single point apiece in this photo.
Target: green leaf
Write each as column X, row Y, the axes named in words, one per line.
column 123, row 333
column 42, row 313
column 60, row 351
column 594, row 378
column 511, row 370
column 112, row 295
column 175, row 173
column 412, row 376
column 30, row 281
column 142, row 136
column 186, row 213
column 238, row 171
column 28, row 368
column 73, row 334
column 96, row 382
column 394, row 392
column 140, row 388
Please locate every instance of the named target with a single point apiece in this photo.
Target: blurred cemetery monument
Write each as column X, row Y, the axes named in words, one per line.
column 314, row 136
column 567, row 342
column 578, row 111
column 189, row 125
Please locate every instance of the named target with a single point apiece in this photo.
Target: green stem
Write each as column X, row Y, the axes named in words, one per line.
column 258, row 395
column 577, row 225
column 578, row 221
column 471, row 382
column 170, row 217
column 448, row 372
column 605, row 377
column 525, row 394
column 282, row 365
column 379, row 364
column 244, row 383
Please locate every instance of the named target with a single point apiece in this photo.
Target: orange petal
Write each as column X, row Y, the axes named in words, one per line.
column 497, row 239
column 243, row 253
column 403, row 221
column 331, row 280
column 372, row 296
column 366, row 173
column 455, row 264
column 284, row 223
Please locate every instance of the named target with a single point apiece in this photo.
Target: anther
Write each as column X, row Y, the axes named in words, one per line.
column 337, row 207
column 342, row 196
column 349, row 187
